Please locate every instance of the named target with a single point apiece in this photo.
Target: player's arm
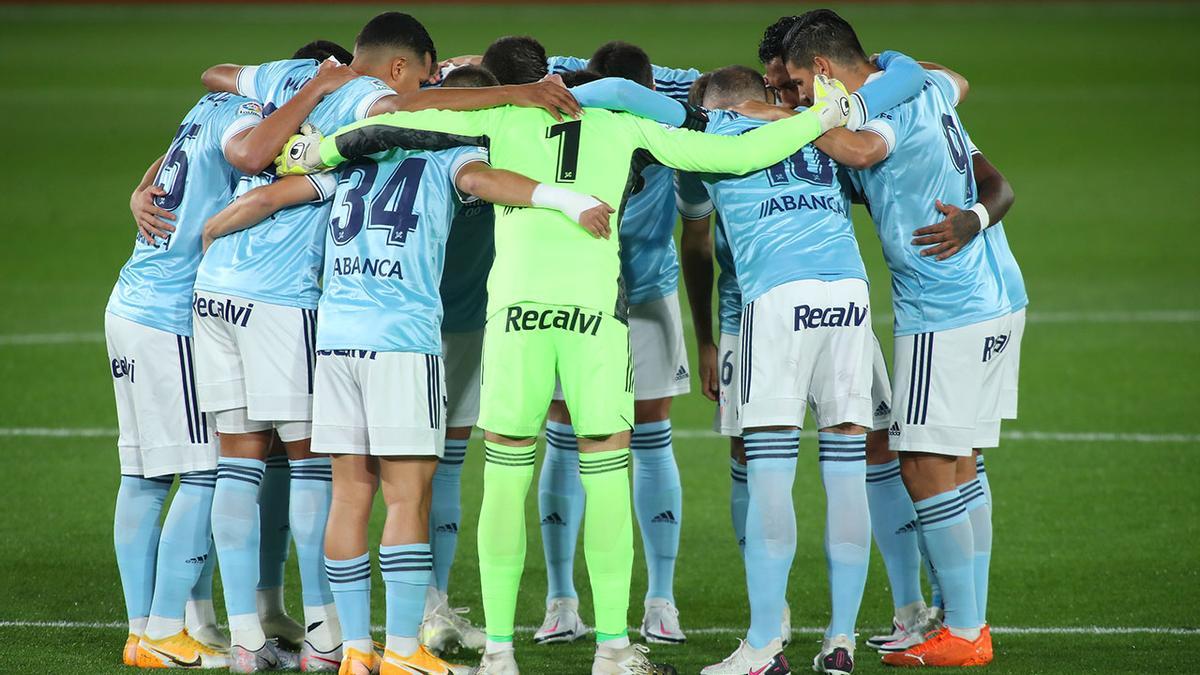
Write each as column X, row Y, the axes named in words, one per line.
column 856, row 149
column 549, row 95
column 902, row 79
column 751, row 151
column 499, row 186
column 148, row 217
column 696, row 262
column 258, row 149
column 996, row 197
column 960, row 82
column 260, row 203
column 221, row 77
column 619, row 94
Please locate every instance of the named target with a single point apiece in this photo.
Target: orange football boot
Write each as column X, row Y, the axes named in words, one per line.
column 984, row 644
column 941, row 649
column 129, row 654
column 355, row 662
column 420, row 662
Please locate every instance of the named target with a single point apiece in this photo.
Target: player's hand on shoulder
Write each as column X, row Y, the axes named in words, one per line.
column 831, row 102
column 761, row 110
column 149, row 218
column 301, row 154
column 331, row 75
column 949, row 236
column 596, row 220
column 550, row 95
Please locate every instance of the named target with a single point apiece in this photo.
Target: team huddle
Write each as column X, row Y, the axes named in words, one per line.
column 487, row 241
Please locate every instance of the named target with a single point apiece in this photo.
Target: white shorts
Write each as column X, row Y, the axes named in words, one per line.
column 946, row 383
column 379, row 404
column 1000, row 381
column 256, row 356
column 809, row 343
column 463, row 355
column 881, row 389
column 660, row 366
column 162, row 430
column 725, row 421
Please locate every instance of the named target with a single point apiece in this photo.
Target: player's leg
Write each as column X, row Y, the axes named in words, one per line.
column 560, row 508
column 660, row 373
column 175, row 438
column 936, row 396
column 276, row 543
column 340, row 429
column 200, row 617
column 516, row 388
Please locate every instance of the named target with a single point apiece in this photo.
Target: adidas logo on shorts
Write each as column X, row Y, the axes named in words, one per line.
column 681, row 374
column 895, row 430
column 882, row 410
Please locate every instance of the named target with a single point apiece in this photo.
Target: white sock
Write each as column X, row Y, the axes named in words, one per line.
column 246, row 631
column 160, row 627
column 365, row 646
column 269, row 602
column 615, row 643
column 138, row 626
column 327, row 634
column 404, row 646
column 970, row 634
column 493, row 647
column 199, row 613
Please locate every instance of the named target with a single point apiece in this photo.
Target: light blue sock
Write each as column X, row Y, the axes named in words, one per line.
column 981, row 474
column 843, row 461
column 739, row 501
column 770, row 529
column 980, row 511
column 235, row 529
column 350, row 581
column 560, row 505
column 273, row 516
column 658, row 503
column 135, row 538
column 308, row 509
column 935, row 589
column 203, row 590
column 950, row 544
column 894, row 523
column 183, row 546
column 445, row 511
column 407, row 572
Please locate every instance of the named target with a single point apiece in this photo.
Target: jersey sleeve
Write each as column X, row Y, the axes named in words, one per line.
column 459, row 158
column 368, row 91
column 946, row 84
column 246, row 115
column 674, row 82
column 615, row 93
column 421, row 130
column 563, row 64
column 324, row 185
column 885, row 127
column 256, row 81
column 691, row 198
column 709, row 153
column 902, row 79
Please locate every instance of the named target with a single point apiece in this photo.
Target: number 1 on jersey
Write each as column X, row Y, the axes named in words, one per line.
column 568, row 149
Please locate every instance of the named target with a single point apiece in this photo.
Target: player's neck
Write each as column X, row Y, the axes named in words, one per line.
column 856, row 76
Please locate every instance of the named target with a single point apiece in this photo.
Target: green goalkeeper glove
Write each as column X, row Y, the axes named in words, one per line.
column 301, row 154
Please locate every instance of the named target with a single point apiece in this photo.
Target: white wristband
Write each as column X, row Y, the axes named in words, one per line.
column 571, row 204
column 985, row 219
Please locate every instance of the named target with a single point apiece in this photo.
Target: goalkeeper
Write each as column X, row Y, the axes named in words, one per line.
column 556, row 308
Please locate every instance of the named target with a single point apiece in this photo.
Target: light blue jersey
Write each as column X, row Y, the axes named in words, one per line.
column 929, row 159
column 469, row 253
column 1001, row 257
column 788, row 222
column 384, row 251
column 674, row 82
column 154, row 287
column 279, row 260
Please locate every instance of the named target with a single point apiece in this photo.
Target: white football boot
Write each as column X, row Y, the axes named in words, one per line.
column 562, row 623
column 267, row 657
column 746, row 660
column 660, row 623
column 628, row 660
column 836, row 656
column 498, row 663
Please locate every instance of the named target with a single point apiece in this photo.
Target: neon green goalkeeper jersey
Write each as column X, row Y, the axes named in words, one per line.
column 541, row 256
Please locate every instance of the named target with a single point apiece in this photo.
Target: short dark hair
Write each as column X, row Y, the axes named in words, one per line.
column 624, row 60
column 698, row 89
column 320, row 50
column 732, row 85
column 772, row 44
column 470, row 76
column 574, row 78
column 396, row 30
column 822, row 32
column 516, row 59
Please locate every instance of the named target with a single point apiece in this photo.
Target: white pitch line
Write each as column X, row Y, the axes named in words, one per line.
column 696, row 434
column 722, row 630
column 883, row 318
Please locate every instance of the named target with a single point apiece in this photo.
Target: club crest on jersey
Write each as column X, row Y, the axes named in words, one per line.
column 225, row 309
column 518, row 319
column 807, row 316
column 122, row 367
column 993, row 345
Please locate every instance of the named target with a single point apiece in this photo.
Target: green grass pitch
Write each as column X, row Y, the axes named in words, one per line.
column 1090, row 110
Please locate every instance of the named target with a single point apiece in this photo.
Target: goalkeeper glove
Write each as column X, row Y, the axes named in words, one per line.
column 301, row 154
column 831, row 102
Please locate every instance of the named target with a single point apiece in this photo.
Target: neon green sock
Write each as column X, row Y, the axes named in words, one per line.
column 507, row 473
column 608, row 538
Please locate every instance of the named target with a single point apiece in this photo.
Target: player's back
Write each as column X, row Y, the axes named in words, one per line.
column 787, row 222
column 470, row 249
column 928, row 161
column 384, row 251
column 154, row 287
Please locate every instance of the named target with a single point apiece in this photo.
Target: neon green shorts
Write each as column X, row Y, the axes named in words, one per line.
column 525, row 346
